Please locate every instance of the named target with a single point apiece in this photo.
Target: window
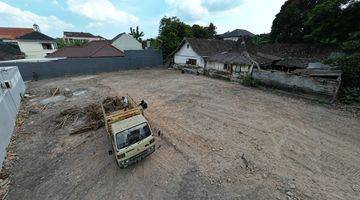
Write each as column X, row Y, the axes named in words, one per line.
column 191, row 61
column 226, row 66
column 187, row 46
column 47, row 46
column 132, row 135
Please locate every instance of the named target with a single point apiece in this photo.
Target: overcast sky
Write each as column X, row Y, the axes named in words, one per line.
column 110, row 17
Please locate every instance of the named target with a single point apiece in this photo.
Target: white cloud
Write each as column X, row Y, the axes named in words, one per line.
column 100, row 12
column 255, row 16
column 15, row 17
column 55, row 2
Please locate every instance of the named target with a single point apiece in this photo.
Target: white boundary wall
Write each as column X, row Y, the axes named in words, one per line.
column 9, row 104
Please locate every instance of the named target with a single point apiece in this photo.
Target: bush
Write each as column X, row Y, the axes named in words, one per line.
column 350, row 95
column 350, row 66
column 249, row 81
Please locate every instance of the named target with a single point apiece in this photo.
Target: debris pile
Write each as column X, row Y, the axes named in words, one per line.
column 83, row 119
column 112, row 104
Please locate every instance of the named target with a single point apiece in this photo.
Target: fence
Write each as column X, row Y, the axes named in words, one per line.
column 12, row 86
column 134, row 59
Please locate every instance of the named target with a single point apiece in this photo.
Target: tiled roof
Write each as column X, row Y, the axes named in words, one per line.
column 12, row 33
column 100, row 48
column 35, row 36
column 232, row 58
column 80, row 34
column 236, row 33
column 209, row 47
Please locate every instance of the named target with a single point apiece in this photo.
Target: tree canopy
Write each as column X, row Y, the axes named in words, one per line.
column 324, row 21
column 172, row 31
column 136, row 33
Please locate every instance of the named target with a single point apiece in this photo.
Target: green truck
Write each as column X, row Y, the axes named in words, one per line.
column 129, row 132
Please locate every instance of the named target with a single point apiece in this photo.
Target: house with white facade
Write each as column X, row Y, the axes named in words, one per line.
column 36, row 44
column 195, row 52
column 125, row 42
column 30, row 41
column 80, row 36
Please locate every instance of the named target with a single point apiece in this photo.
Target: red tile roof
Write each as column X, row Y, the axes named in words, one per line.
column 93, row 49
column 12, row 33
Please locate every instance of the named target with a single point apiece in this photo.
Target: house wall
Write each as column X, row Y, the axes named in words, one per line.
column 296, row 82
column 231, row 38
column 81, row 38
column 186, row 53
column 127, row 42
column 34, row 49
column 140, row 59
column 9, row 105
column 215, row 66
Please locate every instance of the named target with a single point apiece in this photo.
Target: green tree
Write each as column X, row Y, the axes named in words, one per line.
column 329, row 22
column 172, row 31
column 261, row 39
column 288, row 25
column 136, row 33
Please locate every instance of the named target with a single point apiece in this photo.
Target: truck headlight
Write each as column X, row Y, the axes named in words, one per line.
column 119, row 156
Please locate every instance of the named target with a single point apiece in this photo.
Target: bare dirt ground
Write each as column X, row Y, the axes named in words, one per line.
column 219, row 140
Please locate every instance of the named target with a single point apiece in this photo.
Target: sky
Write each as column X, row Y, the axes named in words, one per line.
column 111, row 17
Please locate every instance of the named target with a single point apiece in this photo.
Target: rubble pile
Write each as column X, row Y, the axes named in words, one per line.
column 82, row 119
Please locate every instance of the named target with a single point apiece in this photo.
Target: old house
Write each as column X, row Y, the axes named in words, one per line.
column 234, row 63
column 125, row 42
column 235, row 35
column 195, row 52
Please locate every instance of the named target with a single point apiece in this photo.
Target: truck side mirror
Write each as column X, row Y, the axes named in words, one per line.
column 110, row 152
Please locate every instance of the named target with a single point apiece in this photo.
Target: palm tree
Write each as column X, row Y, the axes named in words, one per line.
column 136, row 33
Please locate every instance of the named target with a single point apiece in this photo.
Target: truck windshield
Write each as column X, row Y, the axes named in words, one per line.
column 132, row 135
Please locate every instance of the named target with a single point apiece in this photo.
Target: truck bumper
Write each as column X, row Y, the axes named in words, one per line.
column 136, row 158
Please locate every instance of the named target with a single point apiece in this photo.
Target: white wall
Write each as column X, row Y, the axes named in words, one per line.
column 215, row 66
column 81, row 38
column 231, row 38
column 9, row 105
column 127, row 42
column 186, row 53
column 34, row 49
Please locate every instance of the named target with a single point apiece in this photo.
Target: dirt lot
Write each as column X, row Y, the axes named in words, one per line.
column 219, row 140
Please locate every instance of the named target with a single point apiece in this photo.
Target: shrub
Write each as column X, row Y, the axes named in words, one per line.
column 249, row 81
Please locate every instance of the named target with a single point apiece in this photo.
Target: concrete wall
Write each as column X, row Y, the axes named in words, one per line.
column 79, row 66
column 232, row 38
column 186, row 53
column 9, row 104
column 296, row 82
column 127, row 42
column 34, row 49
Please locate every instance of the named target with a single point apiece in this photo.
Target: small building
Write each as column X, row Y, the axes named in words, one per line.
column 125, row 42
column 36, row 44
column 233, row 63
column 80, row 36
column 195, row 52
column 93, row 49
column 235, row 35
